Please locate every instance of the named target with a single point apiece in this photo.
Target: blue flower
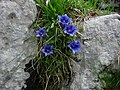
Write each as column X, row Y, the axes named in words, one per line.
column 41, row 33
column 64, row 20
column 47, row 50
column 70, row 30
column 63, row 25
column 74, row 46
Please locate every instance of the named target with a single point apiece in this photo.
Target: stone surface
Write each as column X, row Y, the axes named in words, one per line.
column 102, row 46
column 111, row 3
column 16, row 42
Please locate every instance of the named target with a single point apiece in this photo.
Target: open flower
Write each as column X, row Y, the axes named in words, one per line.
column 74, row 46
column 47, row 50
column 64, row 20
column 41, row 33
column 70, row 30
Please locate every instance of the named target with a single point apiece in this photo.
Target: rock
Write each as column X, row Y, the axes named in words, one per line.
column 103, row 46
column 111, row 4
column 16, row 42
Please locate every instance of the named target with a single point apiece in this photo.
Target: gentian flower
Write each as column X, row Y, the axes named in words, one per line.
column 41, row 33
column 64, row 20
column 74, row 46
column 63, row 25
column 47, row 50
column 70, row 30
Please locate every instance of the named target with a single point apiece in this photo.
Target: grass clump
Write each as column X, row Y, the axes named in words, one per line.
column 48, row 12
column 55, row 44
column 109, row 78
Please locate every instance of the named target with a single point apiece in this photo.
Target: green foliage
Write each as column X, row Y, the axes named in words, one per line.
column 54, row 70
column 109, row 78
column 47, row 13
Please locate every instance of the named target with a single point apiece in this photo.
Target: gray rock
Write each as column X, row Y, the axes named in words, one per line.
column 110, row 3
column 102, row 46
column 16, row 42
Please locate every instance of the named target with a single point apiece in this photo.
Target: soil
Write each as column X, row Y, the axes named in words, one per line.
column 32, row 81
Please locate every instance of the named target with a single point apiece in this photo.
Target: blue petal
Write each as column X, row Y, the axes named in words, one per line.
column 73, row 51
column 72, row 28
column 41, row 33
column 63, row 25
column 76, row 45
column 59, row 18
column 69, row 19
column 47, row 47
column 37, row 34
column 64, row 18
